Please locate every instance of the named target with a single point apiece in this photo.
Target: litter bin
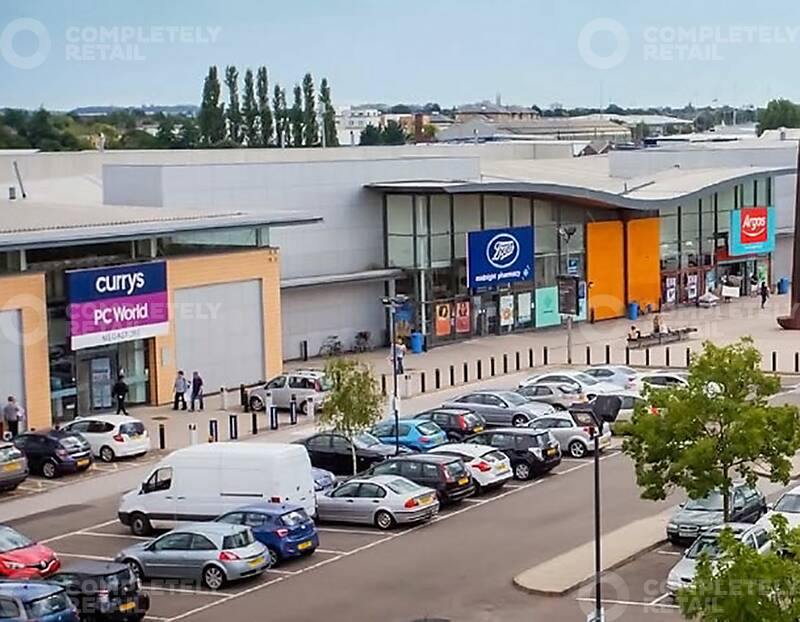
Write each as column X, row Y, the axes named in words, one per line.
column 416, row 343
column 633, row 310
column 783, row 286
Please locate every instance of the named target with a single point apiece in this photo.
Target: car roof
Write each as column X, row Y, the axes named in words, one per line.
column 738, row 529
column 526, row 431
column 471, row 449
column 216, row 529
column 273, row 509
column 438, row 459
column 28, row 589
column 91, row 567
column 50, row 432
column 450, row 410
column 381, row 479
column 311, row 373
column 117, row 419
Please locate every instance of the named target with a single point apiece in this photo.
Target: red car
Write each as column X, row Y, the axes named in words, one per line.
column 21, row 558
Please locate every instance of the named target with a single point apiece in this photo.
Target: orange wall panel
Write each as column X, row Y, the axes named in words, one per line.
column 644, row 261
column 605, row 269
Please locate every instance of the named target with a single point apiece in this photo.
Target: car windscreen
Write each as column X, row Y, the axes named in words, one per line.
column 455, row 468
column 365, row 439
column 325, row 383
column 403, row 486
column 788, row 503
column 585, row 378
column 9, row 453
column 515, row 399
column 238, row 540
column 428, row 428
column 135, row 428
column 72, row 442
column 48, row 605
column 538, row 440
column 11, row 540
column 493, row 456
column 293, row 518
column 706, row 545
column 712, row 502
column 471, row 419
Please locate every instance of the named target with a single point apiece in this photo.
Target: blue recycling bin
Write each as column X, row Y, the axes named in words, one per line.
column 633, row 310
column 417, row 342
column 783, row 286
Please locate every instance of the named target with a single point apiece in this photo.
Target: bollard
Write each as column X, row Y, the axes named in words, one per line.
column 162, row 436
column 304, row 349
column 688, row 356
column 797, row 362
column 774, row 361
column 193, row 434
column 530, row 357
column 667, row 357
column 466, row 373
column 516, row 357
column 213, row 431
column 223, row 398
column 254, row 422
column 233, row 427
column 243, row 397
column 452, row 376
column 492, row 367
column 647, row 357
column 627, row 355
column 479, row 369
column 437, row 378
column 383, row 384
column 505, row 363
column 608, row 354
column 293, row 409
column 422, row 382
column 273, row 417
column 311, row 407
column 588, row 354
column 545, row 357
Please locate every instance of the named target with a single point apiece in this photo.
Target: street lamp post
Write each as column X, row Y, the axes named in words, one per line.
column 567, row 233
column 392, row 303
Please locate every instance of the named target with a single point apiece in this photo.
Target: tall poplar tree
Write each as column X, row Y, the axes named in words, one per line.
column 250, row 112
column 282, row 137
column 211, row 117
column 310, row 124
column 234, row 113
column 296, row 117
column 328, row 115
column 264, row 113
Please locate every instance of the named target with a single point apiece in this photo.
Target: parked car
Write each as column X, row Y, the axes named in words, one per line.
column 457, row 423
column 447, row 475
column 490, row 468
column 660, row 379
column 301, row 383
column 22, row 558
column 621, row 375
column 55, row 452
column 574, row 431
column 628, row 402
column 559, row 396
column 103, row 591
column 285, row 529
column 697, row 516
column 682, row 574
column 531, row 452
column 35, row 602
column 112, row 436
column 787, row 506
column 577, row 379
column 323, row 480
column 380, row 500
column 332, row 451
column 214, row 553
column 13, row 467
column 501, row 408
column 415, row 434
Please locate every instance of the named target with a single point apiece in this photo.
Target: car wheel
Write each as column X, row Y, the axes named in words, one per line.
column 213, row 577
column 577, row 449
column 256, row 403
column 522, row 471
column 107, row 454
column 384, row 520
column 274, row 558
column 135, row 568
column 50, row 469
column 478, row 487
column 303, row 407
column 140, row 525
column 519, row 420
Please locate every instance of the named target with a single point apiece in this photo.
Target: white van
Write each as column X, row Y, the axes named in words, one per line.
column 201, row 482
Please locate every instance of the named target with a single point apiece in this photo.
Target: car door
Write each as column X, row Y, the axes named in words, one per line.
column 473, row 401
column 384, row 432
column 340, row 504
column 279, row 391
column 165, row 557
column 553, row 425
column 494, row 410
column 444, row 421
column 10, row 610
column 754, row 504
column 367, row 502
column 342, row 456
column 201, row 550
column 320, row 452
column 504, row 442
column 159, row 502
column 82, row 427
column 739, row 512
column 411, row 469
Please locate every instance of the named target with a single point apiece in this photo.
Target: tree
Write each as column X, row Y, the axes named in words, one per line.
column 234, row 113
column 743, row 584
column 431, row 107
column 296, row 117
column 718, row 427
column 704, row 121
column 641, row 131
column 211, row 117
column 355, row 402
column 166, row 133
column 370, row 135
column 310, row 124
column 264, row 113
column 250, row 111
column 188, row 134
column 393, row 134
column 281, row 117
column 779, row 113
column 328, row 115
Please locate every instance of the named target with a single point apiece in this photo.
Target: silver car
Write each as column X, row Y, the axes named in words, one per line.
column 13, row 467
column 380, row 500
column 621, row 375
column 501, row 408
column 559, row 396
column 300, row 383
column 214, row 553
column 585, row 383
column 573, row 431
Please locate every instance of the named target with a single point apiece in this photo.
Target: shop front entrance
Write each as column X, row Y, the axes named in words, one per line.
column 99, row 368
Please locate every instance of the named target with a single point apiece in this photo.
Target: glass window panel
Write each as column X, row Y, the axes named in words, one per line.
column 707, row 229
column 572, row 214
column 421, row 211
column 761, row 191
column 399, row 213
column 460, row 245
column 440, row 249
column 573, row 256
column 546, row 268
column 748, row 193
column 467, row 212
column 545, row 239
column 521, row 211
column 440, row 213
column 401, row 251
column 725, row 199
column 669, row 229
column 669, row 256
column 496, row 212
column 544, row 212
column 422, row 252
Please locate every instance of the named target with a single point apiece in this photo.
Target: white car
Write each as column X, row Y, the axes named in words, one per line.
column 489, row 467
column 620, row 375
column 112, row 436
column 587, row 385
column 788, row 506
column 574, row 432
column 660, row 380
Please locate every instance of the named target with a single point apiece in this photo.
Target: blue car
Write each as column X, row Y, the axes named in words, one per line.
column 285, row 529
column 43, row 602
column 415, row 434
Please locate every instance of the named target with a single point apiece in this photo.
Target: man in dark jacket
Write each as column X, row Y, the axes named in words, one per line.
column 120, row 392
column 197, row 390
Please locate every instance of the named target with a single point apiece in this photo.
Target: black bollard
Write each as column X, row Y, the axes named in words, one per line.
column 293, row 410
column 273, row 417
column 213, row 431
column 254, row 422
column 162, row 436
column 233, row 427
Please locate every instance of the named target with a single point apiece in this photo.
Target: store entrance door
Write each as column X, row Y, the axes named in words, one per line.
column 97, row 372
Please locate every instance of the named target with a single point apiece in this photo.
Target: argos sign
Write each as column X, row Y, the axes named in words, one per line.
column 116, row 304
column 498, row 256
column 752, row 231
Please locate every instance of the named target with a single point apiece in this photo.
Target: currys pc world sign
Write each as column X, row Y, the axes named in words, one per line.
column 499, row 256
column 116, row 304
column 752, row 231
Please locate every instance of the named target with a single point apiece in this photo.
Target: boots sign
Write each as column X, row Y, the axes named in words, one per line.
column 752, row 231
column 499, row 256
column 116, row 304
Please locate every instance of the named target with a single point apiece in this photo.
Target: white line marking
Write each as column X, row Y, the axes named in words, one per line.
column 283, row 572
column 98, row 534
column 655, row 601
column 77, row 531
column 94, row 558
column 475, row 501
column 197, row 610
column 178, row 590
column 630, row 603
column 675, row 553
column 332, row 552
column 361, row 532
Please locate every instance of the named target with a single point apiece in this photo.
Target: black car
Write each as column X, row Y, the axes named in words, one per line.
column 55, row 452
column 103, row 591
column 457, row 423
column 446, row 474
column 532, row 452
column 332, row 451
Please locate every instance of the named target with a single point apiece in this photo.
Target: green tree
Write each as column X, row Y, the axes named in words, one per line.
column 310, row 124
column 234, row 113
column 211, row 117
column 779, row 113
column 250, row 111
column 704, row 121
column 715, row 429
column 328, row 114
column 296, row 117
column 370, row 135
column 281, row 117
column 355, row 402
column 138, row 139
column 264, row 113
column 393, row 134
column 188, row 135
column 166, row 133
column 742, row 584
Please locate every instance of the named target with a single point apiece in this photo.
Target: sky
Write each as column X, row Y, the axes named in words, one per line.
column 61, row 54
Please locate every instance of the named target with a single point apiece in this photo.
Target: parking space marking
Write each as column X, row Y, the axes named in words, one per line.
column 661, row 598
column 93, row 558
column 332, row 552
column 473, row 500
column 282, row 572
column 631, row 603
column 675, row 553
column 362, row 532
column 177, row 590
column 98, row 534
column 79, row 531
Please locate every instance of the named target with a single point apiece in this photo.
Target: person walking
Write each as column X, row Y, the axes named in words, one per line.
column 197, row 390
column 764, row 290
column 181, row 386
column 12, row 416
column 120, row 391
column 401, row 355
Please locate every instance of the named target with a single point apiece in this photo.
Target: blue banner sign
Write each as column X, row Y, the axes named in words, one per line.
column 499, row 256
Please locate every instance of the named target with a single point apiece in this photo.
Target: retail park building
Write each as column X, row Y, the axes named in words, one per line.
column 232, row 261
